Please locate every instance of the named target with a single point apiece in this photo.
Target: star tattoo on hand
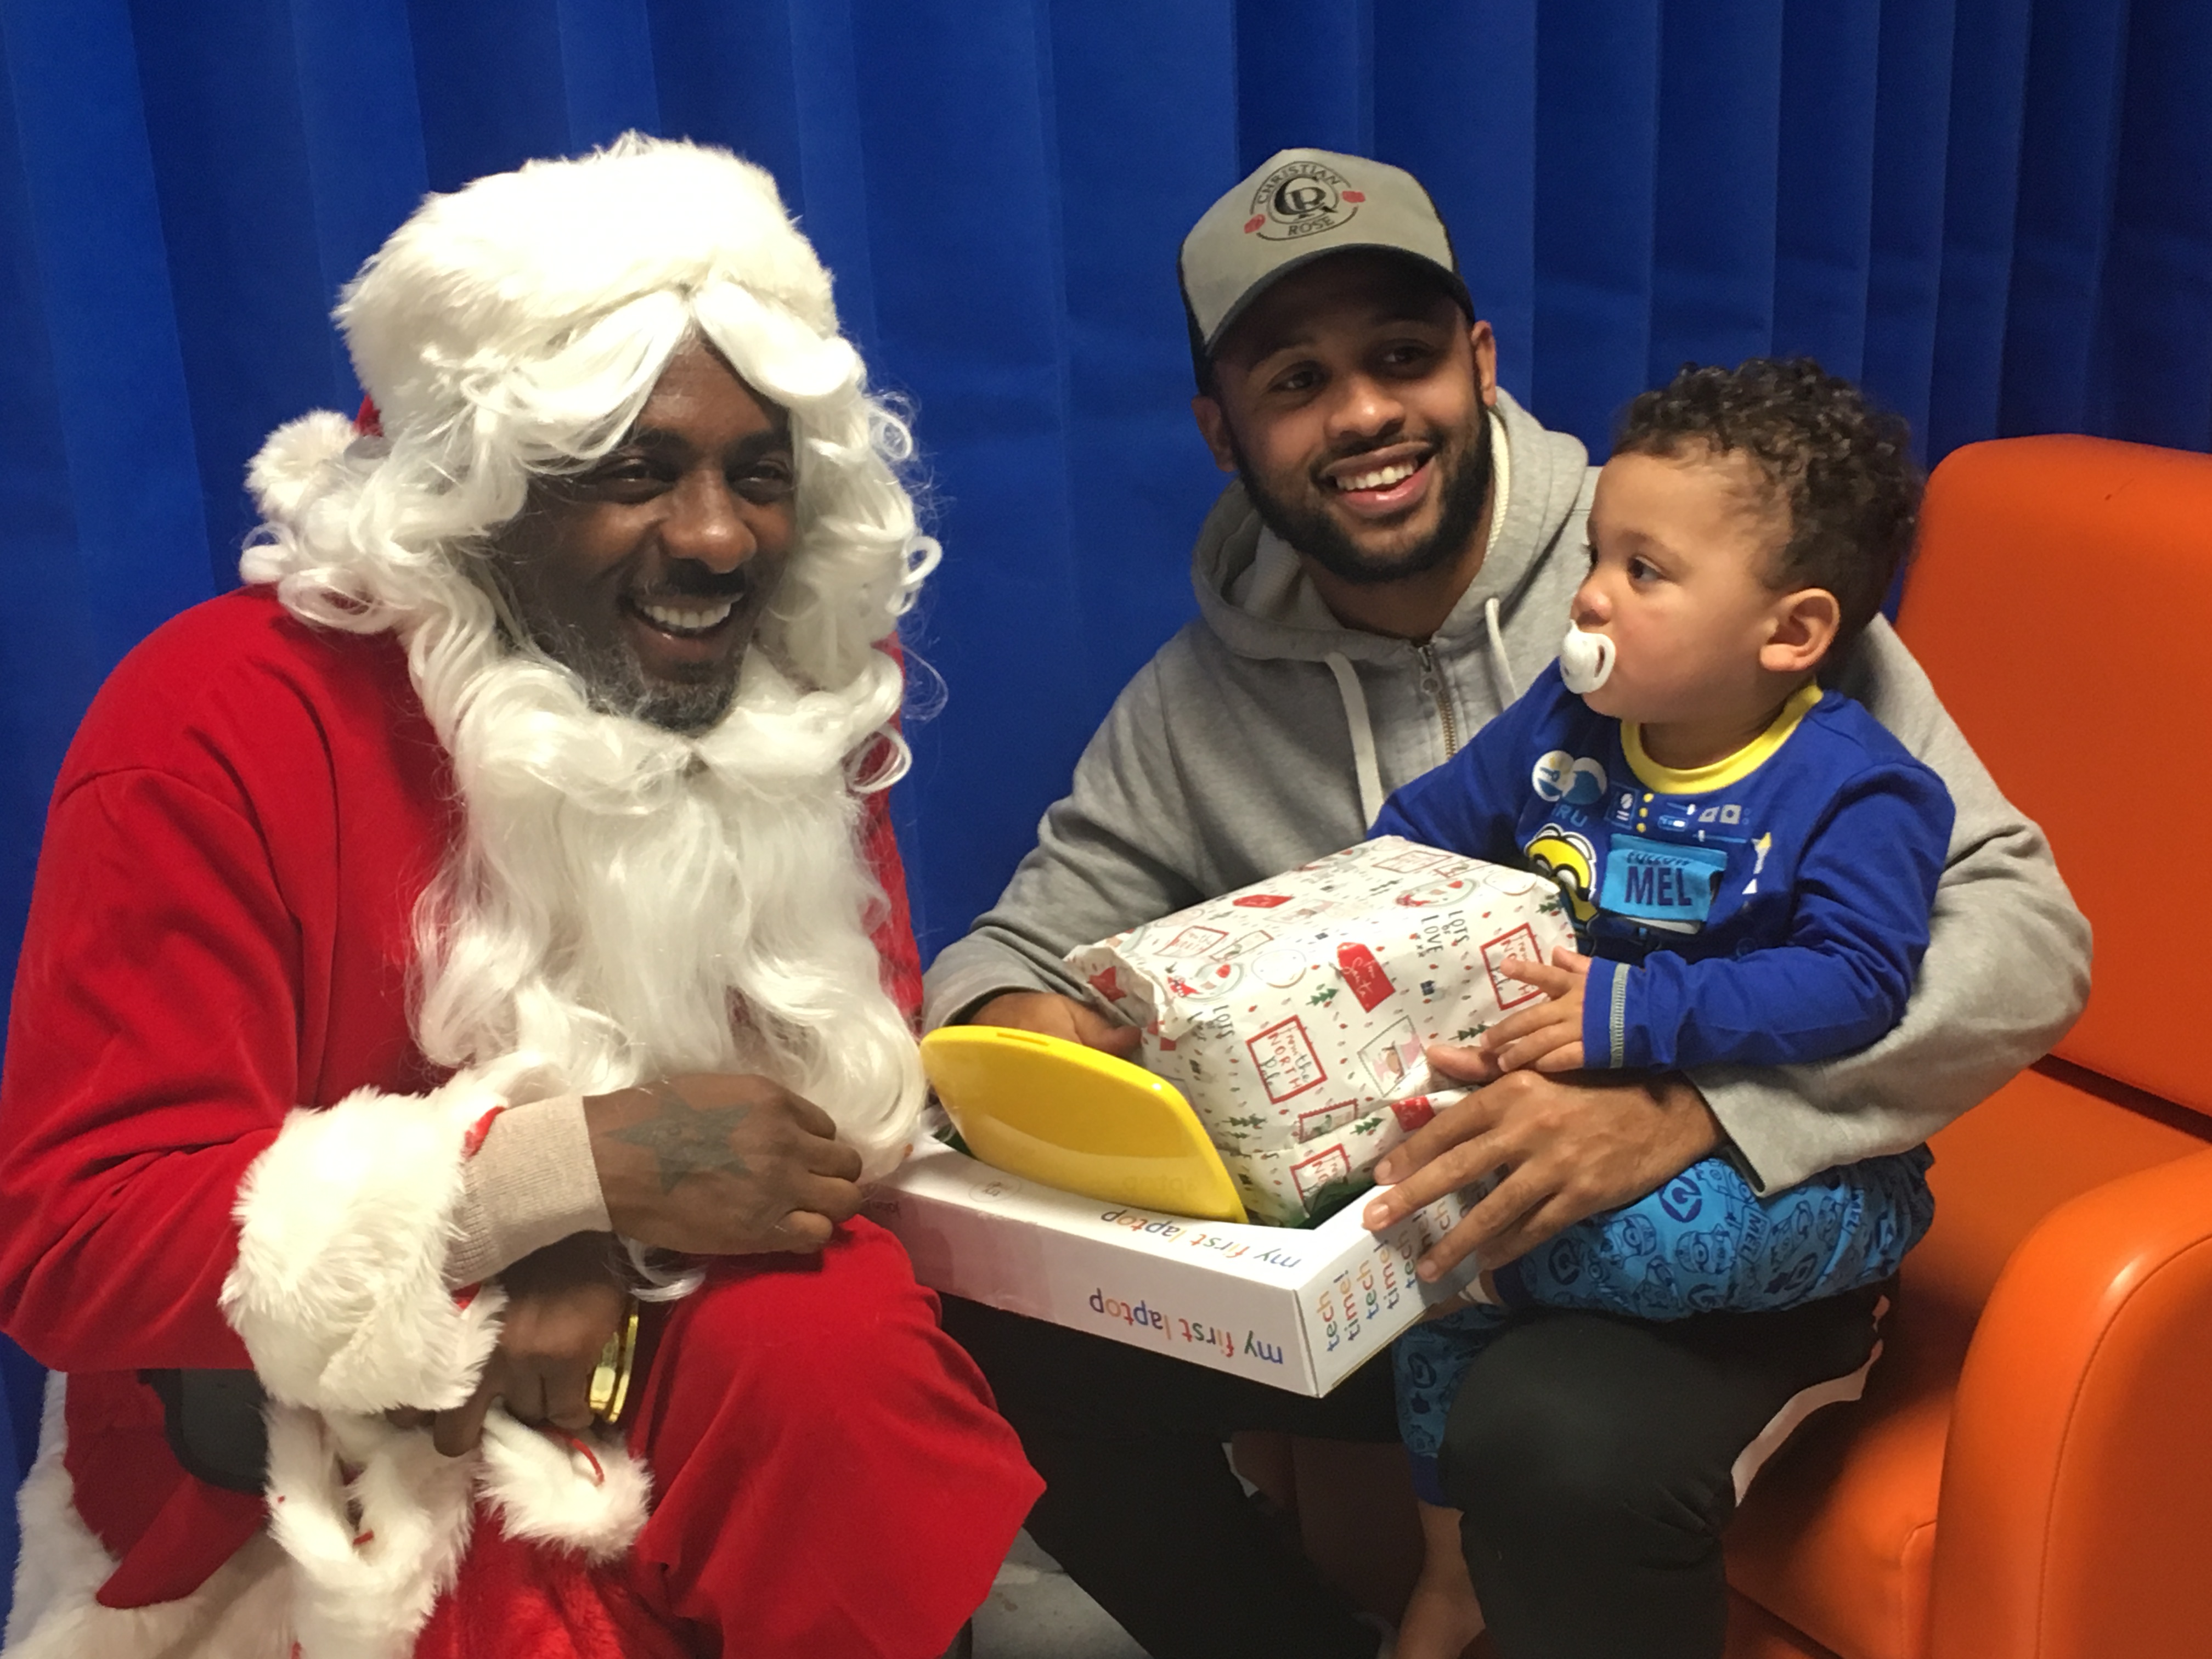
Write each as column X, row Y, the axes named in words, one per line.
column 687, row 1139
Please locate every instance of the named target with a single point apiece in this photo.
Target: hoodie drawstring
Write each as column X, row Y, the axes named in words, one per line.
column 1362, row 737
column 1362, row 728
column 1501, row 666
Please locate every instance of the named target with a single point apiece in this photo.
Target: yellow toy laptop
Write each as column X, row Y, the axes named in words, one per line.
column 1073, row 1118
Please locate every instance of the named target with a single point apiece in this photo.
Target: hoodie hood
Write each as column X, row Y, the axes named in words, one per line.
column 1254, row 596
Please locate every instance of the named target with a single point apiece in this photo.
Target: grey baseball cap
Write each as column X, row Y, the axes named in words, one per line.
column 1298, row 206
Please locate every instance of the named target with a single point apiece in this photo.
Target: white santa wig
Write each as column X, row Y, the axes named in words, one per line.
column 628, row 901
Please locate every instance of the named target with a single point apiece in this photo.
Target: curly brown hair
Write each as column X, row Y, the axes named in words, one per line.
column 1841, row 468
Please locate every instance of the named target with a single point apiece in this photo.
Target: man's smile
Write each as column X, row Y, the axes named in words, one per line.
column 1381, row 484
column 678, row 636
column 685, row 618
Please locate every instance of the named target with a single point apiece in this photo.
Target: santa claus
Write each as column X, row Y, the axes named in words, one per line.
column 468, row 985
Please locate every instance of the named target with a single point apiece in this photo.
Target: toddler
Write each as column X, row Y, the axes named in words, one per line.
column 1749, row 860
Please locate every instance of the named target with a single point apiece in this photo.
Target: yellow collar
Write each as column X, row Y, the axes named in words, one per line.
column 1729, row 768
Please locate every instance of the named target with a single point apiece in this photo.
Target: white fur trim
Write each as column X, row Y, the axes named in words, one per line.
column 339, row 1288
column 54, row 1561
column 546, row 1493
column 372, row 1553
column 339, row 1291
column 241, row 1613
column 369, row 1526
column 290, row 466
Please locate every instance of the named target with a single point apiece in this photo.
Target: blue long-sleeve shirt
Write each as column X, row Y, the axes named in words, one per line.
column 1767, row 909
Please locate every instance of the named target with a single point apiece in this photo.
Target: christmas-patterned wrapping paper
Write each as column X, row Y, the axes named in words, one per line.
column 1291, row 1014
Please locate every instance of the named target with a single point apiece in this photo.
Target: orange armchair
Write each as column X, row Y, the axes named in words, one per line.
column 2030, row 1476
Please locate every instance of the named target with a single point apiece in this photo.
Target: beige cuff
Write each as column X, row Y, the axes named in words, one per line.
column 532, row 1184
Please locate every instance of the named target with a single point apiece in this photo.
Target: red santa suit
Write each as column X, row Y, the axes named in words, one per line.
column 220, row 934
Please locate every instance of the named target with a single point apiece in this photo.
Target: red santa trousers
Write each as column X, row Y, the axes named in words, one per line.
column 830, row 1479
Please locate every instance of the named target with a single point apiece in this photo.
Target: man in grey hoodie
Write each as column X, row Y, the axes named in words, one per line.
column 1394, row 564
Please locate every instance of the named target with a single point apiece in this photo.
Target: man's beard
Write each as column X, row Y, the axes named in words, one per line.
column 1463, row 485
column 614, row 680
column 617, row 682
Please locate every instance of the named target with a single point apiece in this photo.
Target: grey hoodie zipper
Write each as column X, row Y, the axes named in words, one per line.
column 1433, row 686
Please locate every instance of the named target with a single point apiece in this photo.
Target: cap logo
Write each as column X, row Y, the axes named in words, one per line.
column 1300, row 199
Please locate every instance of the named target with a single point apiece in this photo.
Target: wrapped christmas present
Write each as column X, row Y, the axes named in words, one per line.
column 1291, row 1014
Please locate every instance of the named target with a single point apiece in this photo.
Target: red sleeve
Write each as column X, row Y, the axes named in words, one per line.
column 893, row 935
column 152, row 1056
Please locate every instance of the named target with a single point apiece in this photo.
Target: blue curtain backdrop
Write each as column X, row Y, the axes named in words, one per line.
column 1997, row 213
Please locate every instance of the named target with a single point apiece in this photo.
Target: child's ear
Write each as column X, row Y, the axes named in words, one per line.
column 1804, row 626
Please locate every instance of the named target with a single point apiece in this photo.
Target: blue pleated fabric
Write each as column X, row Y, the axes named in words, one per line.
column 1997, row 212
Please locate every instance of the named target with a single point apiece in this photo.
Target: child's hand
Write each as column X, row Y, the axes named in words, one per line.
column 1549, row 1037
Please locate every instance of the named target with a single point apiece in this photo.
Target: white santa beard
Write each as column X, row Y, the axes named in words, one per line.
column 627, row 903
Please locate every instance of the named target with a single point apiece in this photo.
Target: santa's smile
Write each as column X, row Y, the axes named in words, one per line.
column 686, row 619
column 1381, row 484
column 681, row 629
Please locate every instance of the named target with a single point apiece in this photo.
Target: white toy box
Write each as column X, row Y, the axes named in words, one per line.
column 1298, row 1309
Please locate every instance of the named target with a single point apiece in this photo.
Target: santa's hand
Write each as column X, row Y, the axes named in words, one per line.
column 1549, row 1036
column 1053, row 1015
column 563, row 1305
column 714, row 1164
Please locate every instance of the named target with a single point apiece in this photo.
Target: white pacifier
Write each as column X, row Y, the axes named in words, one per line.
column 1585, row 660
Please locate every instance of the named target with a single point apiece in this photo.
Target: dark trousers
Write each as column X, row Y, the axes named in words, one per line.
column 1141, row 1506
column 1594, row 1457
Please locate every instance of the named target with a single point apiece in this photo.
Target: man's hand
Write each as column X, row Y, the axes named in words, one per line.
column 563, row 1303
column 1053, row 1015
column 712, row 1164
column 1549, row 1036
column 1566, row 1147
